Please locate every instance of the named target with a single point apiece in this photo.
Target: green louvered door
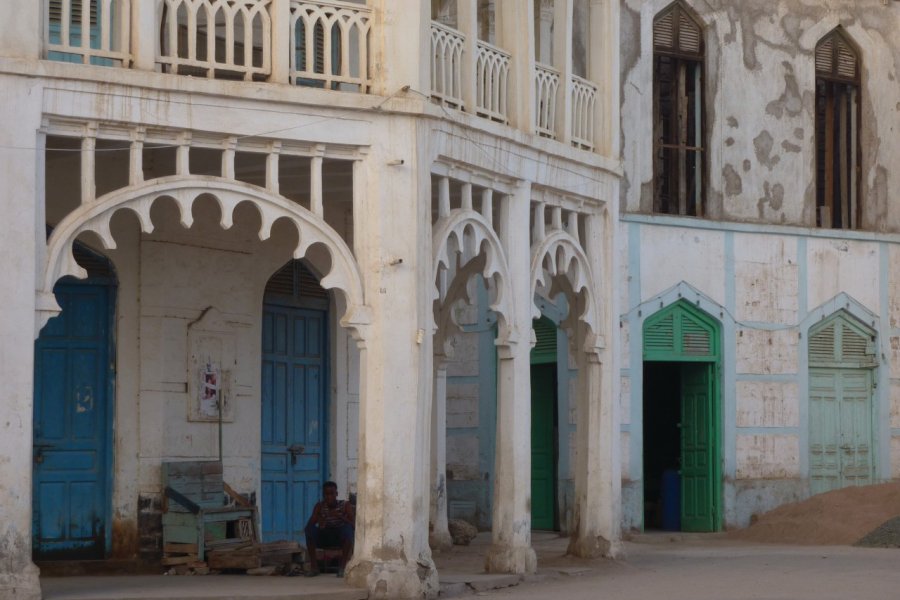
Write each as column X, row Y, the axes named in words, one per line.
column 841, row 383
column 543, row 426
column 697, row 497
column 685, row 335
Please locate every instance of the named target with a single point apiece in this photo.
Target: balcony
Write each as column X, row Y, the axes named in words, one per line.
column 323, row 44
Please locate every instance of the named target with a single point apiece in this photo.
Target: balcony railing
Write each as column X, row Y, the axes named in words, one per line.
column 446, row 65
column 93, row 32
column 330, row 42
column 546, row 87
column 491, row 81
column 584, row 97
column 211, row 38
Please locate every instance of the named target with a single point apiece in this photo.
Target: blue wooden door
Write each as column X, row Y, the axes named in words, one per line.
column 293, row 419
column 72, row 426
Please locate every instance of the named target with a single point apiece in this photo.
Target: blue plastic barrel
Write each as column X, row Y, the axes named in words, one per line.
column 671, row 500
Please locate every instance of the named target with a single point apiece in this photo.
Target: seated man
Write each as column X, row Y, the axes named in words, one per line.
column 330, row 526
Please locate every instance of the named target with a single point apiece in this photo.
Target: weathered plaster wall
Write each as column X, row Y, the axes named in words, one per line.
column 760, row 93
column 776, row 284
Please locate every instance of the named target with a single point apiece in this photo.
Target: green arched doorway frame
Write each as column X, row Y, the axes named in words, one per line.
column 691, row 339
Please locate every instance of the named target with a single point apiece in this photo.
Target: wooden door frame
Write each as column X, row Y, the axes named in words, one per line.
column 110, row 284
column 713, row 358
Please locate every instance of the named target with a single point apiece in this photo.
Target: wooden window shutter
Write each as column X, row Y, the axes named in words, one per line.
column 660, row 337
column 836, row 57
column 695, row 338
column 282, row 282
column 688, row 34
column 56, row 9
column 821, row 345
column 664, row 31
column 544, row 350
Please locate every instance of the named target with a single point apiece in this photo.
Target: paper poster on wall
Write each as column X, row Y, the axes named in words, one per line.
column 211, row 368
column 209, row 390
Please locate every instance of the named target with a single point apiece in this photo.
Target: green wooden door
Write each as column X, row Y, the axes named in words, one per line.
column 842, row 359
column 840, row 433
column 543, row 390
column 697, row 474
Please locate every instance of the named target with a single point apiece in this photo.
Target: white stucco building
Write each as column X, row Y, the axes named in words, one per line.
column 299, row 209
column 759, row 254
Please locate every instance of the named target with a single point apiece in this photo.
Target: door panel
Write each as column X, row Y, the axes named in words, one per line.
column 293, row 410
column 840, row 428
column 71, row 422
column 697, row 447
column 543, row 472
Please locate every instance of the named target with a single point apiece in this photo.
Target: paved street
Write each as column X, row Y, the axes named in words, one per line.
column 717, row 569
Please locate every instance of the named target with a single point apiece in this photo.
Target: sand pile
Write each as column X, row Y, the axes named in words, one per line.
column 841, row 517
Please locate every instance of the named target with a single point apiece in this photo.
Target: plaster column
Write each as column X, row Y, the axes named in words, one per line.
column 511, row 550
column 515, row 34
column 391, row 557
column 21, row 203
column 401, row 46
column 597, row 523
column 144, row 34
column 21, row 32
column 603, row 69
column 467, row 21
column 281, row 41
column 439, row 536
column 562, row 60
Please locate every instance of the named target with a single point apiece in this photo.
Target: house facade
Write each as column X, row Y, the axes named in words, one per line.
column 270, row 232
column 759, row 256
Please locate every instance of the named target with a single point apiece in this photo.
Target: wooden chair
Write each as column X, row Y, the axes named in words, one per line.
column 194, row 510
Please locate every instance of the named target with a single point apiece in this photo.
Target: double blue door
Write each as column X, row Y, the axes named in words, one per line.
column 72, row 426
column 293, row 418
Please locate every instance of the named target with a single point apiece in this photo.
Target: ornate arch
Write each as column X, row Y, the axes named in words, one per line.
column 344, row 275
column 560, row 254
column 468, row 232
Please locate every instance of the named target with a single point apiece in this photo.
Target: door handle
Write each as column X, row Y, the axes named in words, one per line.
column 295, row 449
column 39, row 452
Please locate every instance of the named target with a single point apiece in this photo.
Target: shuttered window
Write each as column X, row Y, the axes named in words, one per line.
column 678, row 133
column 838, row 118
column 679, row 333
column 296, row 280
column 544, row 350
column 56, row 11
column 841, row 343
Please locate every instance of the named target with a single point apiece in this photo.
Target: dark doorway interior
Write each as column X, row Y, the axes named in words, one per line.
column 662, row 445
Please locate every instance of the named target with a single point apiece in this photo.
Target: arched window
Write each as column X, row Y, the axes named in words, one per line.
column 837, row 132
column 678, row 116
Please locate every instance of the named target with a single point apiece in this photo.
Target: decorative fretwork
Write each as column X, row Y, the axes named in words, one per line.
column 330, row 45
column 546, row 88
column 217, row 38
column 491, row 82
column 446, row 65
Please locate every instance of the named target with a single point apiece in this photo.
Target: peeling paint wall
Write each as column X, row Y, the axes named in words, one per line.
column 755, row 262
column 760, row 105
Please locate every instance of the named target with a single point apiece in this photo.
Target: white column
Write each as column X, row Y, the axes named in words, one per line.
column 136, row 156
column 391, row 556
column 88, row 162
column 144, row 34
column 21, row 34
column 21, row 172
column 596, row 527
column 467, row 21
column 603, row 69
column 562, row 60
column 315, row 181
column 511, row 551
column 281, row 41
column 401, row 46
column 515, row 34
column 439, row 537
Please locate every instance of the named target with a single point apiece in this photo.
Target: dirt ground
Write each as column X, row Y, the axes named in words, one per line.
column 841, row 517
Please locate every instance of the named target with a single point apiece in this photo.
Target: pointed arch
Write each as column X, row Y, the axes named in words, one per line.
column 467, row 233
column 681, row 332
column 561, row 254
column 676, row 28
column 344, row 275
